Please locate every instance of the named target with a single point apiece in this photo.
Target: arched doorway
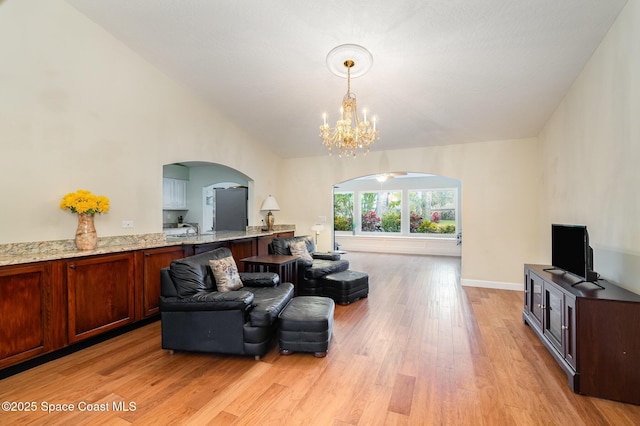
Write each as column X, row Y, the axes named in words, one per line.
column 197, row 180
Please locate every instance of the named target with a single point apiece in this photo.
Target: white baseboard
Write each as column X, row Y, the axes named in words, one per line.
column 400, row 245
column 492, row 284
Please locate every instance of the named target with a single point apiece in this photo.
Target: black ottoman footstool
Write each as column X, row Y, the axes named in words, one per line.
column 305, row 325
column 346, row 286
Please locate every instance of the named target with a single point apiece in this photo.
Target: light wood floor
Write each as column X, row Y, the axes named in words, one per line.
column 420, row 350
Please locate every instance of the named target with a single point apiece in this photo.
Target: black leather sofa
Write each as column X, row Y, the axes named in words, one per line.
column 310, row 273
column 195, row 316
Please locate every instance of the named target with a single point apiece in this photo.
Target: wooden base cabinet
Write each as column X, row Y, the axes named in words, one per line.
column 240, row 249
column 263, row 245
column 192, row 249
column 48, row 305
column 243, row 248
column 152, row 260
column 592, row 332
column 285, row 234
column 26, row 314
column 100, row 294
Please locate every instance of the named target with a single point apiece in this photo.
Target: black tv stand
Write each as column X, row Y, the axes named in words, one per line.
column 587, row 332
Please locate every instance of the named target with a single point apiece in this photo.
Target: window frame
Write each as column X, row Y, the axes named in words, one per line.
column 359, row 230
column 353, row 217
column 404, row 214
column 456, row 208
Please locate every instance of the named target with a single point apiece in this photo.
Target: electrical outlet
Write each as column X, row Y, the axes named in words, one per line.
column 127, row 224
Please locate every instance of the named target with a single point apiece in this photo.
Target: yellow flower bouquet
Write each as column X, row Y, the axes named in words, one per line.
column 84, row 202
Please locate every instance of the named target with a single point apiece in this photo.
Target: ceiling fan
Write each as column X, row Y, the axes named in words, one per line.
column 384, row 176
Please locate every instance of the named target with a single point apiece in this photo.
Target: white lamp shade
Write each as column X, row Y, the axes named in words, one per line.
column 318, row 227
column 270, row 204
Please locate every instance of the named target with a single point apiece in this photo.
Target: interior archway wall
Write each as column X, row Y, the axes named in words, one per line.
column 500, row 202
column 204, row 173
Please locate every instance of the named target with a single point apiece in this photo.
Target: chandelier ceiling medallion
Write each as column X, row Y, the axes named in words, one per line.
column 350, row 133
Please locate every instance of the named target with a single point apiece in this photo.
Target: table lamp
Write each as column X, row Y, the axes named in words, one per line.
column 270, row 204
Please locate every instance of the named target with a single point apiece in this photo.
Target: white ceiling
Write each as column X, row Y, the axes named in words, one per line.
column 444, row 71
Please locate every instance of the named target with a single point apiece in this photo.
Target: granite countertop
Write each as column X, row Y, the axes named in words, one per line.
column 212, row 237
column 21, row 253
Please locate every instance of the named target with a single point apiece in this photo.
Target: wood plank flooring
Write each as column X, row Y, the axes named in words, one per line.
column 419, row 350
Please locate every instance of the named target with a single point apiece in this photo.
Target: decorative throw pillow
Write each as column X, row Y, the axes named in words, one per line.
column 226, row 274
column 299, row 248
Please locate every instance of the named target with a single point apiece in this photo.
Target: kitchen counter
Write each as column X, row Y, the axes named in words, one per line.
column 212, row 237
column 21, row 253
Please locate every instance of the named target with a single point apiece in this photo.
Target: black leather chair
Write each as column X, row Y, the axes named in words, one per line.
column 310, row 273
column 195, row 316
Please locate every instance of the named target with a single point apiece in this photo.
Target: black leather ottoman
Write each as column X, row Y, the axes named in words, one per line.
column 346, row 287
column 305, row 325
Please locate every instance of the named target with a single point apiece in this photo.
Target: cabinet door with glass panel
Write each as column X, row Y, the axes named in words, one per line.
column 553, row 312
column 559, row 321
column 553, row 307
column 533, row 293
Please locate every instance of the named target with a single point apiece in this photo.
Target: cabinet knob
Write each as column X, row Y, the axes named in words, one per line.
column 147, row 254
column 564, row 327
column 72, row 266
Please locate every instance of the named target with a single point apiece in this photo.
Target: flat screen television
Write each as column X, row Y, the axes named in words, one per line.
column 570, row 251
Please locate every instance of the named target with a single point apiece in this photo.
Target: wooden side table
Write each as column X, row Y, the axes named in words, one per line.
column 285, row 266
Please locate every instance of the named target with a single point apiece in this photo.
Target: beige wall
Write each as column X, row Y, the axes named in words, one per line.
column 590, row 150
column 500, row 191
column 79, row 110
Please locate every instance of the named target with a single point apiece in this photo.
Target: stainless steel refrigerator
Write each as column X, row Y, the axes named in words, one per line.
column 230, row 209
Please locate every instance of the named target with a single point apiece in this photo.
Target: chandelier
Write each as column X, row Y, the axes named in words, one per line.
column 350, row 133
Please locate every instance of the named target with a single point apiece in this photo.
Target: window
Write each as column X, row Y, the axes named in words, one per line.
column 381, row 211
column 432, row 211
column 343, row 211
column 410, row 206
